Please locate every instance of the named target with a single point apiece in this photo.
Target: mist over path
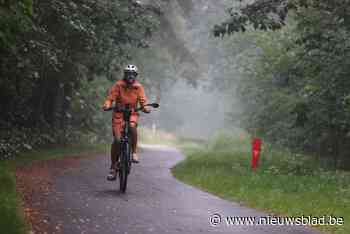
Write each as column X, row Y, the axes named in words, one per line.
column 82, row 201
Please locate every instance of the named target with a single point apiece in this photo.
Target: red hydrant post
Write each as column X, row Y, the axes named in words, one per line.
column 256, row 149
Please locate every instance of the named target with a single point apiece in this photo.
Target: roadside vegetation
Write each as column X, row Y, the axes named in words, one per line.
column 290, row 63
column 285, row 184
column 12, row 220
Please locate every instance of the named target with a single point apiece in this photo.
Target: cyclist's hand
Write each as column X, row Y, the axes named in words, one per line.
column 146, row 109
column 106, row 105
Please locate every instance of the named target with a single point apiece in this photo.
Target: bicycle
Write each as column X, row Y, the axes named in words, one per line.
column 125, row 144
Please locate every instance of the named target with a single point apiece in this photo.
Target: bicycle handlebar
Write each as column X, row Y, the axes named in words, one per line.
column 154, row 105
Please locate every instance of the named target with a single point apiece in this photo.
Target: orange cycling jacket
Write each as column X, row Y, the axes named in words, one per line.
column 123, row 94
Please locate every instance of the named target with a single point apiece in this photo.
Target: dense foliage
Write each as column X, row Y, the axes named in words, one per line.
column 52, row 52
column 295, row 86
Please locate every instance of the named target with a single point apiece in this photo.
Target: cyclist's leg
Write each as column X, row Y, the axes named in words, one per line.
column 115, row 148
column 115, row 152
column 133, row 133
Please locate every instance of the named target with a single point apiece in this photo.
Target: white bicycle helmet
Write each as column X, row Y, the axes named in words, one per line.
column 131, row 68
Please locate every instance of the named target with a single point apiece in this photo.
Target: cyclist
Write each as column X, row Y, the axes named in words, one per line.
column 125, row 91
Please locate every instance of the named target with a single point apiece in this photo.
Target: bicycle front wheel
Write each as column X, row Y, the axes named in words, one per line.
column 124, row 168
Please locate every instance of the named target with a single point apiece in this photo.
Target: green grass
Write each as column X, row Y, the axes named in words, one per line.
column 285, row 184
column 12, row 218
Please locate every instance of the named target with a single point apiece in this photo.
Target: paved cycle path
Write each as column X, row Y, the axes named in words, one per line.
column 82, row 201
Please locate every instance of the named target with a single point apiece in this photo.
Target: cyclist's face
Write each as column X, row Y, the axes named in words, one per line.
column 130, row 77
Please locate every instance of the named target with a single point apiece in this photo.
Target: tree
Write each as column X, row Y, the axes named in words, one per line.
column 298, row 91
column 49, row 51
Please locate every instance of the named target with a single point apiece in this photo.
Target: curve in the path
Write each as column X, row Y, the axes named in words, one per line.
column 82, row 201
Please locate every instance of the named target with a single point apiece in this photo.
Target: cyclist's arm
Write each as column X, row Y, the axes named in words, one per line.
column 112, row 95
column 142, row 98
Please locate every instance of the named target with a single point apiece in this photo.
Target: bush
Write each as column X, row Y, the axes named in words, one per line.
column 23, row 139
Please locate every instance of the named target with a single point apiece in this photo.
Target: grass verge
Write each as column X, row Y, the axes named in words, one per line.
column 286, row 184
column 12, row 218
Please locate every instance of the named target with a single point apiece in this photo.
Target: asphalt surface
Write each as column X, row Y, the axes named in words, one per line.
column 83, row 201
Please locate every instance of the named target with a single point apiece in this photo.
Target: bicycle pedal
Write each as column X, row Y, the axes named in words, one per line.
column 112, row 179
column 134, row 161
